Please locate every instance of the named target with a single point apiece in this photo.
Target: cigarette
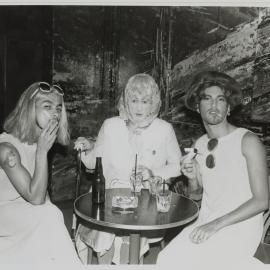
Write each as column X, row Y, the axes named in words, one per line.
column 192, row 152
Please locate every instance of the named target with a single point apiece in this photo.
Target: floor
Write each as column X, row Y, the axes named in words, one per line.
column 263, row 251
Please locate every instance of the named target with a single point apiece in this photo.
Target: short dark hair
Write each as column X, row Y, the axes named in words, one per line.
column 205, row 79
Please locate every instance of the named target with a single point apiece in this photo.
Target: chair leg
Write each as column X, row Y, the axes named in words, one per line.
column 98, row 258
column 89, row 255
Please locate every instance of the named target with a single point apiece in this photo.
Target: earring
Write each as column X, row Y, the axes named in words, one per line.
column 229, row 113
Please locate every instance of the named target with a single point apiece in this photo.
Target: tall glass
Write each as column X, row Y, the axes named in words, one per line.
column 136, row 182
column 153, row 184
column 163, row 196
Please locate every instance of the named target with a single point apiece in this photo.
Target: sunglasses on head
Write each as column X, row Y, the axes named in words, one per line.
column 210, row 159
column 47, row 88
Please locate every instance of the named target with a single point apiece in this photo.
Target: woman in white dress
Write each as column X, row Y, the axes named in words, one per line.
column 136, row 131
column 32, row 229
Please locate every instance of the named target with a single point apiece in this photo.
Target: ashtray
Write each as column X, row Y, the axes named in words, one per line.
column 125, row 204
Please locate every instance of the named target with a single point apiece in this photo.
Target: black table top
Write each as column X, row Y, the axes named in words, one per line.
column 145, row 216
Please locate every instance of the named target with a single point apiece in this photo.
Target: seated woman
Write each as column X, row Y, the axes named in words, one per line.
column 32, row 229
column 231, row 169
column 137, row 131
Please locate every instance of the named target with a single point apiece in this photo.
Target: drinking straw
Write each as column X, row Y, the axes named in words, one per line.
column 163, row 186
column 135, row 173
column 135, row 166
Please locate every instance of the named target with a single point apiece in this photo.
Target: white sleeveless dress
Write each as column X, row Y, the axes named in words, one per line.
column 31, row 234
column 225, row 187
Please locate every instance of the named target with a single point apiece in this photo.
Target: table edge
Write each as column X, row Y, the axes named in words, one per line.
column 136, row 227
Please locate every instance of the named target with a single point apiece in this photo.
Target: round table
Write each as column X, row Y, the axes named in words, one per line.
column 144, row 218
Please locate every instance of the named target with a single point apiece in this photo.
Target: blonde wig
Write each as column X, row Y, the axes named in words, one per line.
column 142, row 84
column 21, row 122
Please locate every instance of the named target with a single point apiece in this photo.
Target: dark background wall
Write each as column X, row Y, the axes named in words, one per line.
column 25, row 51
column 96, row 49
column 91, row 51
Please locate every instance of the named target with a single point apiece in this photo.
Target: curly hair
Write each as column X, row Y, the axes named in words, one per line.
column 206, row 79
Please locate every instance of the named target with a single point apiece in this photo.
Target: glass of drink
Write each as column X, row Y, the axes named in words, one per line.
column 154, row 182
column 163, row 199
column 136, row 182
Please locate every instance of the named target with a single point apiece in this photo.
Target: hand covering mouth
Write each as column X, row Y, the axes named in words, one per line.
column 55, row 120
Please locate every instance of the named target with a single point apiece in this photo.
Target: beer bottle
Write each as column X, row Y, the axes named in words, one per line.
column 98, row 211
column 98, row 185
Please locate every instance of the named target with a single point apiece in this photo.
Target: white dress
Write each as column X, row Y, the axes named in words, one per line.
column 31, row 234
column 157, row 148
column 225, row 187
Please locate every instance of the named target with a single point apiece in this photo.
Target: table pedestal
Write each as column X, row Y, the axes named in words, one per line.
column 134, row 248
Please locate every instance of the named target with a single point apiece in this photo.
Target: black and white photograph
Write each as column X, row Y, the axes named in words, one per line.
column 134, row 134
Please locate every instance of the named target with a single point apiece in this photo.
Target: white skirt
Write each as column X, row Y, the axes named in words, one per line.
column 235, row 244
column 101, row 241
column 34, row 234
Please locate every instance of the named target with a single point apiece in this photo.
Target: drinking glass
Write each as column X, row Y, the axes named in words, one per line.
column 163, row 199
column 136, row 182
column 154, row 182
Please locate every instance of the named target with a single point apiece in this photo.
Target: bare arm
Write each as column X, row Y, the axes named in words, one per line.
column 33, row 189
column 254, row 152
column 91, row 149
